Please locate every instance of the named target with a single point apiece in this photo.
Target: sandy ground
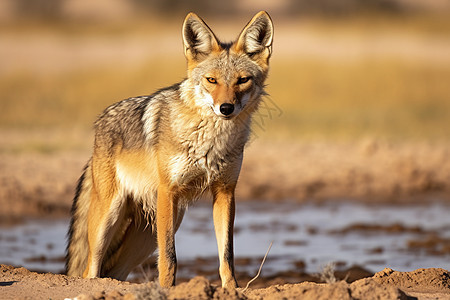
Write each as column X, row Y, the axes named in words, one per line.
column 42, row 183
column 19, row 283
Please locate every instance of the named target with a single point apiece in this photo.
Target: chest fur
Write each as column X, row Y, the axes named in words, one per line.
column 206, row 151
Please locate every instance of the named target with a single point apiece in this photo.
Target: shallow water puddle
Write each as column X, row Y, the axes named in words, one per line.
column 36, row 245
column 305, row 238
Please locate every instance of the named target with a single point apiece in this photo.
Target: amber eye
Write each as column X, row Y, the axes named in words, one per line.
column 242, row 80
column 211, row 80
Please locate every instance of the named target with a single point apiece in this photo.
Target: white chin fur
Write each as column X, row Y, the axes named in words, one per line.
column 217, row 110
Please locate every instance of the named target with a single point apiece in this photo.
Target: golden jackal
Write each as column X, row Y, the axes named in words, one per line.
column 154, row 155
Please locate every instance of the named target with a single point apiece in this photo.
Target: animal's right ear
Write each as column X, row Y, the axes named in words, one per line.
column 198, row 38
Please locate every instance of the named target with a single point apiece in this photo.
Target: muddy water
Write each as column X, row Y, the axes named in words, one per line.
column 305, row 238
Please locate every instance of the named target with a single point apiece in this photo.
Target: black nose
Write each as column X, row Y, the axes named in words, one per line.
column 227, row 109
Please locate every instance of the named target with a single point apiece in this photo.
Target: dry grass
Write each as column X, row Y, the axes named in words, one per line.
column 386, row 98
column 324, row 95
column 75, row 98
column 361, row 98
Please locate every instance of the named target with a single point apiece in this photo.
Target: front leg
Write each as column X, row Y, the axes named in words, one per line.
column 223, row 214
column 166, row 219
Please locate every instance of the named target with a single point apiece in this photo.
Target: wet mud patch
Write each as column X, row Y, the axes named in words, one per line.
column 356, row 239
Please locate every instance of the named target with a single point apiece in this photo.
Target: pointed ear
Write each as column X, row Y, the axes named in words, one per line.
column 198, row 38
column 256, row 37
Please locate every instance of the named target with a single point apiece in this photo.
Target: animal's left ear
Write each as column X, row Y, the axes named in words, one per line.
column 256, row 38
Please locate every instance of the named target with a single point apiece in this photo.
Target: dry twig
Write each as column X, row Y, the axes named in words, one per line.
column 260, row 268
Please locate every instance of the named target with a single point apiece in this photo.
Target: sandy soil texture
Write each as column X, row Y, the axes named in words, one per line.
column 366, row 170
column 19, row 283
column 42, row 184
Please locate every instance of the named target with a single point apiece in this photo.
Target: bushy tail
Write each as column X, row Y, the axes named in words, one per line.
column 77, row 247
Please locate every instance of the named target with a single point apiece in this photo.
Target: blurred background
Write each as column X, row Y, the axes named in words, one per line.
column 359, row 105
column 345, row 69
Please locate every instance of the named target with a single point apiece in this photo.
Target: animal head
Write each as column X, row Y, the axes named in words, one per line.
column 228, row 77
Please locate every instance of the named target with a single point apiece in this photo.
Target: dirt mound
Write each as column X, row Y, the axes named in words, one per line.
column 19, row 283
column 427, row 280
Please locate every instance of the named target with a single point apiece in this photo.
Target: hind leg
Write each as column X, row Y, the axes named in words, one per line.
column 104, row 218
column 138, row 244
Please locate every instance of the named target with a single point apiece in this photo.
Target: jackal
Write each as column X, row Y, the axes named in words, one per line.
column 154, row 155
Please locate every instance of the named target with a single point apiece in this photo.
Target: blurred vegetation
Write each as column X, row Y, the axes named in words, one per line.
column 332, row 100
column 386, row 99
column 319, row 96
column 75, row 98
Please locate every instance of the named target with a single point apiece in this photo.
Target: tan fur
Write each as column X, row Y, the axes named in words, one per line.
column 154, row 155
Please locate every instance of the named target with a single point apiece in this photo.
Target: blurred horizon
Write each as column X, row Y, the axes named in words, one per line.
column 121, row 10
